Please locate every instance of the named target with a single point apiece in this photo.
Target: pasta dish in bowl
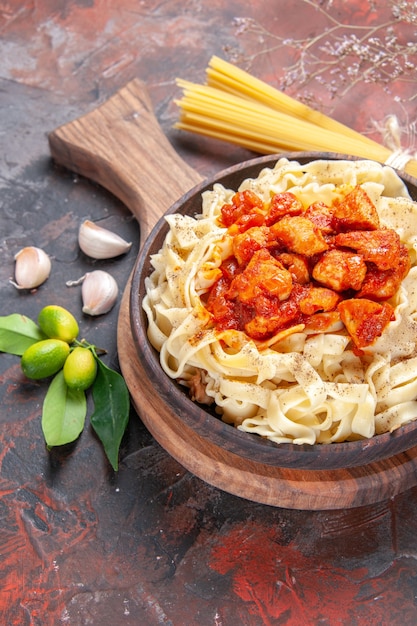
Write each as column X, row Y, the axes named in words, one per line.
column 280, row 305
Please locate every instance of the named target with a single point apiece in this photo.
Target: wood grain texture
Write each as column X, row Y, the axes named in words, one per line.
column 283, row 487
column 121, row 146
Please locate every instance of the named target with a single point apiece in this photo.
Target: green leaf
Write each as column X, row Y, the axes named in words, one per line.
column 17, row 333
column 111, row 410
column 63, row 413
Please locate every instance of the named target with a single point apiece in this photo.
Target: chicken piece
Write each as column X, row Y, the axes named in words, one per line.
column 319, row 299
column 383, row 284
column 270, row 317
column 298, row 234
column 245, row 244
column 323, row 322
column 381, row 246
column 229, row 268
column 217, row 304
column 243, row 203
column 282, row 204
column 340, row 270
column 365, row 320
column 356, row 212
column 262, row 327
column 246, row 221
column 322, row 216
column 296, row 265
column 197, row 389
column 263, row 275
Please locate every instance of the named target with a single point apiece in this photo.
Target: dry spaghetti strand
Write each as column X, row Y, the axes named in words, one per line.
column 236, row 107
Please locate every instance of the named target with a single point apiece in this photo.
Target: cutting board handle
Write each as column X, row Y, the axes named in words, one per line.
column 121, row 146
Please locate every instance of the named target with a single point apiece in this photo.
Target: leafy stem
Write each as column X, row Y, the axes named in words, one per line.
column 83, row 343
column 64, row 408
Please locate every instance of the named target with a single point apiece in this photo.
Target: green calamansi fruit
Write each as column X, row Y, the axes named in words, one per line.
column 58, row 323
column 80, row 369
column 44, row 358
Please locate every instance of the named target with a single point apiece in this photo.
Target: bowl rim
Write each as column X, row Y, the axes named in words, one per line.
column 204, row 422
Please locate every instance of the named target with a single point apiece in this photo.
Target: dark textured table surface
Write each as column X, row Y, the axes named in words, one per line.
column 153, row 544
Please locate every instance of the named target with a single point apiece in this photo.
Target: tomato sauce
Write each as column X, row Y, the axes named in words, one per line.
column 313, row 266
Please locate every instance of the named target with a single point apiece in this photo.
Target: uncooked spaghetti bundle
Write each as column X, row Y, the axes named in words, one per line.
column 236, row 107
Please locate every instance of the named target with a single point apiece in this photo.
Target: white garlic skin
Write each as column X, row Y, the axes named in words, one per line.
column 32, row 268
column 99, row 292
column 101, row 243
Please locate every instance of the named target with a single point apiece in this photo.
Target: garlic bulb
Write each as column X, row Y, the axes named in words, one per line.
column 99, row 292
column 32, row 268
column 100, row 243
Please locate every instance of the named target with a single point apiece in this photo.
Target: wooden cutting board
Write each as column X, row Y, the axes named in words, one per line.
column 121, row 146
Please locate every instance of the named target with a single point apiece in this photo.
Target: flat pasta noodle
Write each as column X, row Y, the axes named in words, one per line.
column 301, row 387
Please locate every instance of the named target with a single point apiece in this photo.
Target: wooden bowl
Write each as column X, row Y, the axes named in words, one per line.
column 204, row 422
column 121, row 146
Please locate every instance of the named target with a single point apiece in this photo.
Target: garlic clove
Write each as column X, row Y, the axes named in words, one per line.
column 32, row 268
column 100, row 243
column 99, row 292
